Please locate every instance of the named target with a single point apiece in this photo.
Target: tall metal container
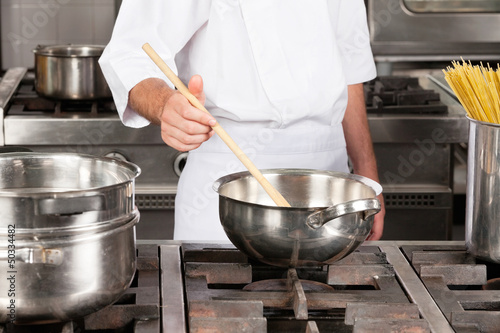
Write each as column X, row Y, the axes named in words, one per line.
column 482, row 234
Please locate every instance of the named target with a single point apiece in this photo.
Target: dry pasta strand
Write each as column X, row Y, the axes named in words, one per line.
column 477, row 88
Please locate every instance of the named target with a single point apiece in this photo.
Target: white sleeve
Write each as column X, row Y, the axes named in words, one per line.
column 167, row 25
column 354, row 42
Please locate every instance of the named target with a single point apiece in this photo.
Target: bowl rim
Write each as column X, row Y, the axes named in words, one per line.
column 219, row 183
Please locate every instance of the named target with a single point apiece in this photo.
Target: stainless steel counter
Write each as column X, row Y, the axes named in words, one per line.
column 415, row 159
column 429, row 30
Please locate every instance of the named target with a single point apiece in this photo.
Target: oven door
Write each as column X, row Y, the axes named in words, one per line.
column 419, row 30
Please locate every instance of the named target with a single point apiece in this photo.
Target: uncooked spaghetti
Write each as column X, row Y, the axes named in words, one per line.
column 477, row 88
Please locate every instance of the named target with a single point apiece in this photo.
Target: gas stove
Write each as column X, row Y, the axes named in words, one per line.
column 401, row 95
column 384, row 286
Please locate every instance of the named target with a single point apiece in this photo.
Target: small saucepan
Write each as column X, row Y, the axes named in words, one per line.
column 70, row 72
column 331, row 215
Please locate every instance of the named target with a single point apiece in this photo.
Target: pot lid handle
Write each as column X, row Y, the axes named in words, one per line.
column 368, row 207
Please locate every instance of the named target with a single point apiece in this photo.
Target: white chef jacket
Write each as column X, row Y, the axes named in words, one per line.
column 275, row 76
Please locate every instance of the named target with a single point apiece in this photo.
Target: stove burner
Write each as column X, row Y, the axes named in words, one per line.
column 228, row 293
column 492, row 284
column 399, row 95
column 455, row 280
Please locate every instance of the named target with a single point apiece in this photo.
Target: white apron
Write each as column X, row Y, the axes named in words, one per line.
column 281, row 64
column 196, row 205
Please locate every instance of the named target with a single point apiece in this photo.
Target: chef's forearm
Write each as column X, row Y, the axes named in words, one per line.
column 148, row 98
column 357, row 134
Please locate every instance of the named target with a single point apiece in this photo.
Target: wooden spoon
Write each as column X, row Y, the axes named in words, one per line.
column 273, row 193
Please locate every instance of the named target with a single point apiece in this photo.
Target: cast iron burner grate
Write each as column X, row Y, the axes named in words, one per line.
column 363, row 294
column 138, row 310
column 401, row 95
column 455, row 279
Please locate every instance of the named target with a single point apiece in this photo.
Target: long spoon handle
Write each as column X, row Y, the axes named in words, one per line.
column 273, row 193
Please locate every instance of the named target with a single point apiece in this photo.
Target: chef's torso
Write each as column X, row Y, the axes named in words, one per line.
column 275, row 76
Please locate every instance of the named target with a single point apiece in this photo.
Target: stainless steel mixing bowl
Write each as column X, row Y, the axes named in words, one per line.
column 331, row 215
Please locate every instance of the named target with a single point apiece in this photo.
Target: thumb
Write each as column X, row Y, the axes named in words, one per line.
column 195, row 86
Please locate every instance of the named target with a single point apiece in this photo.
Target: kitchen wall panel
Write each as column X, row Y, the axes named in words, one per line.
column 28, row 23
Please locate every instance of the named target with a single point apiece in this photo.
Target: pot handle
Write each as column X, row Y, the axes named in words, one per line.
column 33, row 256
column 368, row 207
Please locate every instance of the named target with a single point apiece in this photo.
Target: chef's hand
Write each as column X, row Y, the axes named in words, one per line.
column 378, row 222
column 184, row 127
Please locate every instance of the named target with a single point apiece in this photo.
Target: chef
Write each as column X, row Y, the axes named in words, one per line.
column 282, row 77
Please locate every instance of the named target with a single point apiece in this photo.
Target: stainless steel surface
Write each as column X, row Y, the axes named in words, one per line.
column 460, row 148
column 8, row 84
column 415, row 159
column 418, row 212
column 453, row 6
column 483, row 191
column 98, row 130
column 172, row 293
column 97, row 265
column 427, row 31
column 423, row 162
column 43, row 190
column 70, row 72
column 281, row 236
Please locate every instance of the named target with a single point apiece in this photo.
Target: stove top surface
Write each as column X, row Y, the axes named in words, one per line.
column 384, row 286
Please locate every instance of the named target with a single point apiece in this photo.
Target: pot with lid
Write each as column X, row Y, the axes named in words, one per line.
column 70, row 72
column 67, row 236
column 331, row 215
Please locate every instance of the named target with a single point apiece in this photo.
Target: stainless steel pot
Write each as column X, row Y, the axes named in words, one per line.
column 331, row 215
column 67, row 234
column 48, row 190
column 61, row 275
column 70, row 72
